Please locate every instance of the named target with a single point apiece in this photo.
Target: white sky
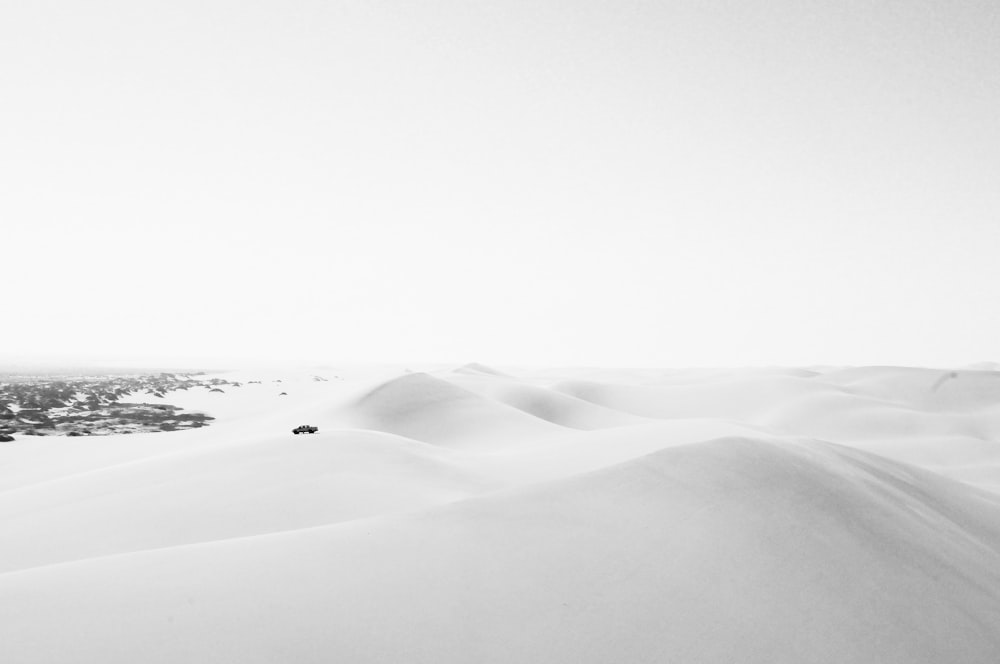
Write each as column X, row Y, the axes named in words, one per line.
column 615, row 182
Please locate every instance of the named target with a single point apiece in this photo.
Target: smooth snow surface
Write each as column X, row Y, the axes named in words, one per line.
column 482, row 515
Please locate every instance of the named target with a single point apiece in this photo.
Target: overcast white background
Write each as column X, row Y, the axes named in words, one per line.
column 621, row 183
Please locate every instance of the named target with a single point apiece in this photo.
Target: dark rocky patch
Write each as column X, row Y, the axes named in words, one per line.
column 84, row 406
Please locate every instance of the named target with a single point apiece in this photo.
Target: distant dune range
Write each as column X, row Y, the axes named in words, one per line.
column 478, row 515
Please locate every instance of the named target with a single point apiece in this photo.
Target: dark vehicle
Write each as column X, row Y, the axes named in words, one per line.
column 305, row 428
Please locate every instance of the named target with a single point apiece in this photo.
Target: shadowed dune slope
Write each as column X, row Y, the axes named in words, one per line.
column 227, row 491
column 837, row 417
column 730, row 398
column 477, row 369
column 805, row 406
column 732, row 550
column 546, row 404
column 433, row 410
column 51, row 457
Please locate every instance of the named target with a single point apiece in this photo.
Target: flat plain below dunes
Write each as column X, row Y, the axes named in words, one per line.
column 477, row 515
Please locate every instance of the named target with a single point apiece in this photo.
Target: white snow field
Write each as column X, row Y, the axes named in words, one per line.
column 470, row 515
